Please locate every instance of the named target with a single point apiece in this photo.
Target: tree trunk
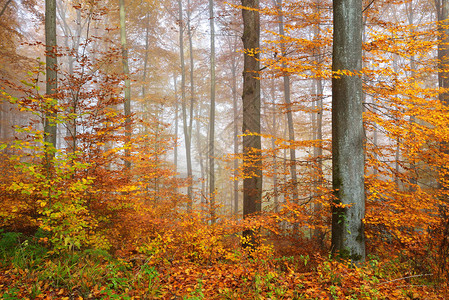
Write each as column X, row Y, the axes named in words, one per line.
column 318, row 129
column 443, row 49
column 192, row 102
column 236, row 133
column 348, row 211
column 212, row 113
column 175, row 155
column 252, row 184
column 288, row 104
column 414, row 175
column 145, row 60
column 186, row 128
column 51, row 59
column 273, row 146
column 127, row 89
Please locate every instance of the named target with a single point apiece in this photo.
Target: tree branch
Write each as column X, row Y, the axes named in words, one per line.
column 4, row 8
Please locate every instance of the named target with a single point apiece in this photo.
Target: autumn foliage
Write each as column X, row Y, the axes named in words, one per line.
column 77, row 223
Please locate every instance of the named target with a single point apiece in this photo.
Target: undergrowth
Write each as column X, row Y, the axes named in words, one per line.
column 29, row 270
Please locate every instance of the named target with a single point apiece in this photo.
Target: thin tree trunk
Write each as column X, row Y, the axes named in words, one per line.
column 127, row 88
column 175, row 158
column 192, row 104
column 348, row 211
column 200, row 153
column 186, row 128
column 398, row 139
column 318, row 149
column 288, row 104
column 236, row 133
column 212, row 113
column 51, row 70
column 145, row 61
column 414, row 175
column 273, row 146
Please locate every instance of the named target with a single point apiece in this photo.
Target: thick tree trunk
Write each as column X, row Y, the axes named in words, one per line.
column 348, row 211
column 212, row 113
column 443, row 49
column 443, row 65
column 252, row 184
column 127, row 89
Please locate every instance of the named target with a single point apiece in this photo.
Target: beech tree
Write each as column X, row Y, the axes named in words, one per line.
column 51, row 69
column 252, row 182
column 212, row 112
column 348, row 209
column 127, row 89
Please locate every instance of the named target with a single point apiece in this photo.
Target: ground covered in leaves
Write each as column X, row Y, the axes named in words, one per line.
column 30, row 270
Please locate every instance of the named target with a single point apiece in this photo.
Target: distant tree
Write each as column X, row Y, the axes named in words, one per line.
column 51, row 69
column 127, row 89
column 212, row 112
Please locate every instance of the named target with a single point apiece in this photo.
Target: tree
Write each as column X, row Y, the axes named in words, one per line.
column 348, row 209
column 187, row 128
column 127, row 89
column 51, row 69
column 212, row 112
column 288, row 103
column 252, row 182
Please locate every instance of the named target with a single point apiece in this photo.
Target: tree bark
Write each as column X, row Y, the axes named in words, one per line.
column 442, row 7
column 186, row 127
column 127, row 89
column 51, row 59
column 212, row 113
column 288, row 104
column 192, row 102
column 443, row 49
column 236, row 133
column 252, row 183
column 348, row 210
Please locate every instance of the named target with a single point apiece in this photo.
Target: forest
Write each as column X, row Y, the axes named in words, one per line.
column 188, row 149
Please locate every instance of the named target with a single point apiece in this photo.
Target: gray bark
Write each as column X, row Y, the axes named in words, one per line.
column 186, row 128
column 273, row 146
column 318, row 129
column 175, row 158
column 414, row 175
column 192, row 103
column 212, row 113
column 50, row 126
column 348, row 211
column 288, row 104
column 442, row 7
column 236, row 133
column 252, row 184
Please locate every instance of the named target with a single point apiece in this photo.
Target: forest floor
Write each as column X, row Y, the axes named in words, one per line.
column 28, row 270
